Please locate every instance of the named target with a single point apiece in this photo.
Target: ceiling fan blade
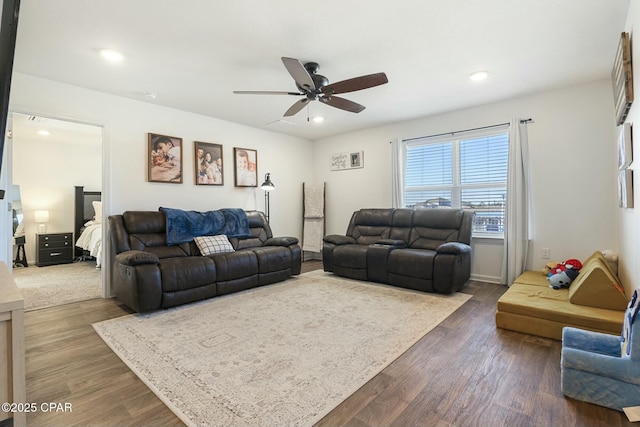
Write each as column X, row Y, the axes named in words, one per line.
column 299, row 73
column 264, row 92
column 356, row 83
column 341, row 103
column 296, row 107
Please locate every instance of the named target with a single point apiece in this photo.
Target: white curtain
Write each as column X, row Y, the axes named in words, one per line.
column 398, row 159
column 516, row 230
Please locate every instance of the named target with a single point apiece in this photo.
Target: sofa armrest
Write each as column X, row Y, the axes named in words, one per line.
column 133, row 258
column 396, row 244
column 338, row 239
column 594, row 342
column 453, row 248
column 281, row 241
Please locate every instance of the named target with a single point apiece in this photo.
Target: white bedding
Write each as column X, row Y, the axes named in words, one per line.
column 91, row 240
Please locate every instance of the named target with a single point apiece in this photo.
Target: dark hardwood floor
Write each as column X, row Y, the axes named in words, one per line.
column 465, row 372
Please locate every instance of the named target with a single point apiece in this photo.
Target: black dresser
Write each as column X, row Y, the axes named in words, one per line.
column 54, row 248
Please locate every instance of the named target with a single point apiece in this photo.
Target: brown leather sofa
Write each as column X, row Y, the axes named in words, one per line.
column 148, row 274
column 423, row 249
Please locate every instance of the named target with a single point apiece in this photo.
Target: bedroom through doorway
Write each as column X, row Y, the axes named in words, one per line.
column 51, row 159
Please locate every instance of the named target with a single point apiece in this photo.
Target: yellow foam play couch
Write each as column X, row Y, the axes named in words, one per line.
column 595, row 301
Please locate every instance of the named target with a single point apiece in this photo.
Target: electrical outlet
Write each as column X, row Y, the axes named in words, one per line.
column 545, row 253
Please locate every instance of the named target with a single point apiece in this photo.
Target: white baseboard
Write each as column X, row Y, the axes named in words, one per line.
column 308, row 256
column 485, row 278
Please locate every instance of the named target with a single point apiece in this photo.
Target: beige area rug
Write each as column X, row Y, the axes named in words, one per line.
column 279, row 355
column 53, row 285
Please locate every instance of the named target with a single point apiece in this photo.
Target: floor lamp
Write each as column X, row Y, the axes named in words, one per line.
column 267, row 186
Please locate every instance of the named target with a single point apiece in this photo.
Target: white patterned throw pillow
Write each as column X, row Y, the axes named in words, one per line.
column 209, row 245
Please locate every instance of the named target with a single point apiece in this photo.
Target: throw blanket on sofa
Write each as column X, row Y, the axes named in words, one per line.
column 183, row 226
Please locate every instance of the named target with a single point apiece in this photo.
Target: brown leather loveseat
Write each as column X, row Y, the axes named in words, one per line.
column 423, row 249
column 149, row 274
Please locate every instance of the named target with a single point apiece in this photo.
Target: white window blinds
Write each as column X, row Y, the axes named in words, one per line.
column 466, row 170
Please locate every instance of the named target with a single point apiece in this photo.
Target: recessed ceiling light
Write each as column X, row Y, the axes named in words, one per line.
column 43, row 132
column 150, row 95
column 111, row 55
column 479, row 75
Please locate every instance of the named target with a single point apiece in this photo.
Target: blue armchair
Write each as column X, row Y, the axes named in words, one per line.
column 600, row 368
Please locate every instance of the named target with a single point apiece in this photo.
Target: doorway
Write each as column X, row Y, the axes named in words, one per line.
column 50, row 157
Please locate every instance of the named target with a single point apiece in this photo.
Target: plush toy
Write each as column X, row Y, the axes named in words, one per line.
column 548, row 268
column 570, row 263
column 564, row 273
column 612, row 259
column 563, row 279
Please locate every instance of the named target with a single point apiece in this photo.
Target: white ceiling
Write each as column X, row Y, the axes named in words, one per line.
column 194, row 53
column 26, row 127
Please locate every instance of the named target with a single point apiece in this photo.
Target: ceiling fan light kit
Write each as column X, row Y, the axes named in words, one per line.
column 315, row 87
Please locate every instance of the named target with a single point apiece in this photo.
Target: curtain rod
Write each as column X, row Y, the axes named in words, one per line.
column 467, row 130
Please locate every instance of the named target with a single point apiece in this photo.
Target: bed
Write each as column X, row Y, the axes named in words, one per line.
column 88, row 225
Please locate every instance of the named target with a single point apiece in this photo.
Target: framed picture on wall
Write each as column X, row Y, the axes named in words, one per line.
column 356, row 160
column 625, row 147
column 208, row 163
column 164, row 158
column 625, row 188
column 245, row 167
column 622, row 79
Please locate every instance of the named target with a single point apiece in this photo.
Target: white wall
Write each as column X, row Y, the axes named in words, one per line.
column 573, row 160
column 126, row 124
column 572, row 142
column 628, row 220
column 47, row 173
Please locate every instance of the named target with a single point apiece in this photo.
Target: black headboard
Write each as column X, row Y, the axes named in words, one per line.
column 83, row 208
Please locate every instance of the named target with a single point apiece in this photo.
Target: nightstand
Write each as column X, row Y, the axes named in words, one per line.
column 54, row 248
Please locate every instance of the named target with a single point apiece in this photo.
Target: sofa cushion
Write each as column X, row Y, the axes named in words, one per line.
column 433, row 227
column 213, row 244
column 370, row 225
column 597, row 286
column 146, row 232
column 235, row 265
column 412, row 263
column 259, row 232
column 353, row 256
column 402, row 224
column 272, row 258
column 179, row 274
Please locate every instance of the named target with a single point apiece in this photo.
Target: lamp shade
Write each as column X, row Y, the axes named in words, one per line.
column 41, row 216
column 267, row 185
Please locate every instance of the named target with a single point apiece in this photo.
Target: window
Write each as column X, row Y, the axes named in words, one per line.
column 467, row 170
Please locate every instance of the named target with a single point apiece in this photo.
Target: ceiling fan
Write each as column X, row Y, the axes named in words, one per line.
column 314, row 86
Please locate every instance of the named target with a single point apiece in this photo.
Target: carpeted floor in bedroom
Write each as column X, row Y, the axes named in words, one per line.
column 54, row 285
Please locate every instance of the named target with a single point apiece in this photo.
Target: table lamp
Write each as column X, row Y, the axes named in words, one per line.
column 42, row 217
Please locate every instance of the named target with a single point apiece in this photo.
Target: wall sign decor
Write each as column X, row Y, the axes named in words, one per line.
column 246, row 167
column 625, row 188
column 208, row 163
column 625, row 146
column 342, row 161
column 622, row 79
column 164, row 158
